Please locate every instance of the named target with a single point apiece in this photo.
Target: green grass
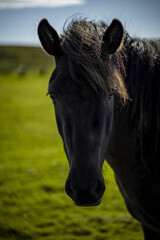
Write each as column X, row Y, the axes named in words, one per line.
column 33, row 170
column 13, row 59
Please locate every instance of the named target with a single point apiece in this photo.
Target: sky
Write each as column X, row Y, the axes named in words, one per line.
column 19, row 18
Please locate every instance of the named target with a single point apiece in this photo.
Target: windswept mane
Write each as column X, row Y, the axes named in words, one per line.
column 139, row 72
column 81, row 42
column 143, row 82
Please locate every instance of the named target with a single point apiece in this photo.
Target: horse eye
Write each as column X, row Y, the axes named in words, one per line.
column 52, row 96
column 111, row 93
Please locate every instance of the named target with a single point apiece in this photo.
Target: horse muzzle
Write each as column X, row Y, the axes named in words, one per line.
column 85, row 193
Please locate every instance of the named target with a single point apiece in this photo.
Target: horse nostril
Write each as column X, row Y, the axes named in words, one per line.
column 69, row 189
column 98, row 189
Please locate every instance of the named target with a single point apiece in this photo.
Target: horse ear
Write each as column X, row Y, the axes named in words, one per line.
column 49, row 38
column 113, row 36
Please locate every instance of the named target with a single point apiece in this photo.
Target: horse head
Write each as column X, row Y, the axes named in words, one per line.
column 83, row 103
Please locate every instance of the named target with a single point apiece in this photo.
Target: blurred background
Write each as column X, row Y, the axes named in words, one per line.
column 19, row 18
column 33, row 166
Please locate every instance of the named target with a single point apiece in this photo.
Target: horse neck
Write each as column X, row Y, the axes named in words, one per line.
column 142, row 68
column 142, row 80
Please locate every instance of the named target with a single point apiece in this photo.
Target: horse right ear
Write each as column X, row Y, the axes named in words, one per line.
column 113, row 37
column 49, row 38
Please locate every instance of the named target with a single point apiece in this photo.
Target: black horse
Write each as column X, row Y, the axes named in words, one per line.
column 106, row 94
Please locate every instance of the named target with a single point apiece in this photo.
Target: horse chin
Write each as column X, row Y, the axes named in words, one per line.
column 79, row 204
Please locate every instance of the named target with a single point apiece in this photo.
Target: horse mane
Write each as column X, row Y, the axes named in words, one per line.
column 143, row 81
column 133, row 72
column 81, row 42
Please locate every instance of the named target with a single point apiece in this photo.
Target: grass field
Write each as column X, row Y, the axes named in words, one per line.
column 33, row 169
column 30, row 58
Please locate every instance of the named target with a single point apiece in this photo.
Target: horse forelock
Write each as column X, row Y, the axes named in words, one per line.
column 82, row 42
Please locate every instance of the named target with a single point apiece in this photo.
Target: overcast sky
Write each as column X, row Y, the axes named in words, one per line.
column 38, row 3
column 19, row 18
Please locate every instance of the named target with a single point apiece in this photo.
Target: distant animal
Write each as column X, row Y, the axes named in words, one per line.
column 106, row 94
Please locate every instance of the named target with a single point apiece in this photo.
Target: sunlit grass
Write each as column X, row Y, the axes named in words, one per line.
column 33, row 169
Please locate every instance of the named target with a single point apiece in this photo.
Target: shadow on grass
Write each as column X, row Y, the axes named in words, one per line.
column 11, row 233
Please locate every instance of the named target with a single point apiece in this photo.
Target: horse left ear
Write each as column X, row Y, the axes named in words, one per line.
column 49, row 38
column 113, row 36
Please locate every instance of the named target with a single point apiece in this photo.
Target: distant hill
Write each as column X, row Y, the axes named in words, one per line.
column 13, row 59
